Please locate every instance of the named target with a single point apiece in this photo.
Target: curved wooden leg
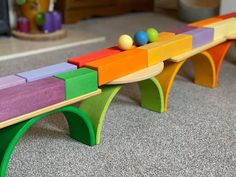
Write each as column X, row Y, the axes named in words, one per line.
column 80, row 129
column 152, row 97
column 204, row 67
column 204, row 73
column 166, row 78
column 218, row 54
column 96, row 107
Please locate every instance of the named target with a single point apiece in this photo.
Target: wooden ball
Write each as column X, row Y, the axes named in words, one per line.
column 125, row 42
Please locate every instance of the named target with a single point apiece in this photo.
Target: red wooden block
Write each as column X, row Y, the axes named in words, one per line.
column 80, row 61
column 226, row 16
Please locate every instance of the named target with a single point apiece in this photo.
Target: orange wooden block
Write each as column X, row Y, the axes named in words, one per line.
column 164, row 36
column 206, row 22
column 119, row 65
column 166, row 49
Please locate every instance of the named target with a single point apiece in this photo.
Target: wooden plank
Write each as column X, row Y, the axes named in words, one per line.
column 186, row 55
column 79, row 82
column 174, row 46
column 29, row 97
column 10, row 81
column 80, row 61
column 119, row 65
column 47, row 71
column 141, row 75
column 231, row 36
column 30, row 115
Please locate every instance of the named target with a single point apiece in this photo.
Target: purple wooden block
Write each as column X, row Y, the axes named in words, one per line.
column 47, row 71
column 48, row 24
column 182, row 29
column 57, row 20
column 201, row 36
column 25, row 98
column 10, row 81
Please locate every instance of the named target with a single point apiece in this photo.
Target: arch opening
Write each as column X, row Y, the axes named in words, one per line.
column 80, row 128
column 204, row 71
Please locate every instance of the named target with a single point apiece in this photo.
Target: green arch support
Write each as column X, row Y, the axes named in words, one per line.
column 80, row 128
column 151, row 98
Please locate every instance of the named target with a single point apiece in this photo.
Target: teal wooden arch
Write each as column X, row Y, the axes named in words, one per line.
column 80, row 128
column 97, row 106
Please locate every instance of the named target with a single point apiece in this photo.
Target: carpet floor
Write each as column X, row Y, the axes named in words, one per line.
column 196, row 137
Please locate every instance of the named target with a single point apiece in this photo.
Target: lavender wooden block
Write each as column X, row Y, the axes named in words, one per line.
column 25, row 98
column 182, row 29
column 47, row 71
column 201, row 36
column 10, row 81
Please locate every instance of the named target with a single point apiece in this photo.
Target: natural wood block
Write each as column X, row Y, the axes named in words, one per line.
column 160, row 51
column 205, row 22
column 25, row 98
column 80, row 61
column 223, row 28
column 79, row 82
column 119, row 65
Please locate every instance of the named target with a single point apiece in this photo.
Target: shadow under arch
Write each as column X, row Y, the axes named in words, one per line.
column 80, row 128
column 97, row 106
column 218, row 54
column 205, row 74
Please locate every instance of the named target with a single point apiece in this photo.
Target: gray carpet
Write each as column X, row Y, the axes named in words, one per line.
column 196, row 137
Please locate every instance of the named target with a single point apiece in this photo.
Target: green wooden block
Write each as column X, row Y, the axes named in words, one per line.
column 79, row 82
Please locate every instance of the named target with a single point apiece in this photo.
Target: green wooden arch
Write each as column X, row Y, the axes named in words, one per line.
column 97, row 106
column 80, row 128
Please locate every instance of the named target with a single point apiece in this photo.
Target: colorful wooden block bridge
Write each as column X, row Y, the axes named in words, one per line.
column 95, row 79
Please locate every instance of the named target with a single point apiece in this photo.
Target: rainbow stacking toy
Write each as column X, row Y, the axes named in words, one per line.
column 95, row 79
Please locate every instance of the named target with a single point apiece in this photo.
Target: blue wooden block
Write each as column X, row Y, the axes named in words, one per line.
column 47, row 71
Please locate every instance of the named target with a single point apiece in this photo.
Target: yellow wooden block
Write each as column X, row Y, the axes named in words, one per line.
column 223, row 28
column 171, row 47
column 164, row 36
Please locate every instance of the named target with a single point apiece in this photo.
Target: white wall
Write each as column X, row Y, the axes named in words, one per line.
column 227, row 6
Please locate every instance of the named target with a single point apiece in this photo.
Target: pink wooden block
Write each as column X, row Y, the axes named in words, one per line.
column 25, row 98
column 10, row 81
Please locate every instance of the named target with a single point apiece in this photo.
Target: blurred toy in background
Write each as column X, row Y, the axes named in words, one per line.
column 23, row 25
column 38, row 16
